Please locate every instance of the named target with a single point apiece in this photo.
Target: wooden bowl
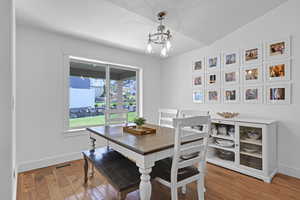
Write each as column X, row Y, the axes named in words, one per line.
column 228, row 114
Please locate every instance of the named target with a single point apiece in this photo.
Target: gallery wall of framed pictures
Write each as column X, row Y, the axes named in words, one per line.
column 256, row 74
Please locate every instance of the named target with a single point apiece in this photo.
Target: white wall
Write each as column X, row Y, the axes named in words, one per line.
column 40, row 87
column 6, row 154
column 176, row 83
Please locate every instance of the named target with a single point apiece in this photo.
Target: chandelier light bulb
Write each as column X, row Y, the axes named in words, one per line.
column 163, row 52
column 149, row 47
column 168, row 45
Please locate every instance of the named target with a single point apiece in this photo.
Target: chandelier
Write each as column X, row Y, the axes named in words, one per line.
column 162, row 37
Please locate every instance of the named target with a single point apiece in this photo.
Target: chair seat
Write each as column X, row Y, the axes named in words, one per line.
column 119, row 171
column 162, row 169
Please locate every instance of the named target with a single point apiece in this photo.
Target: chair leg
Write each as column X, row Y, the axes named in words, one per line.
column 183, row 189
column 121, row 196
column 85, row 167
column 93, row 170
column 174, row 193
column 107, row 145
column 200, row 190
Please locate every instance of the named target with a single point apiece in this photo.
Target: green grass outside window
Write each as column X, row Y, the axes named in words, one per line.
column 95, row 120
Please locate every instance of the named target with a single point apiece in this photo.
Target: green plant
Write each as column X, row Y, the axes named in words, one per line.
column 139, row 121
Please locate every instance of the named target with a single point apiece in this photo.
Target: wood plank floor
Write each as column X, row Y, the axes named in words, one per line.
column 66, row 183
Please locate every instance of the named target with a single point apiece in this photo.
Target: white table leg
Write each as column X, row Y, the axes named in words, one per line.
column 145, row 185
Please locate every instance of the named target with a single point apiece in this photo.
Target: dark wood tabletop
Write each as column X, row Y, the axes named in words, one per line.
column 142, row 144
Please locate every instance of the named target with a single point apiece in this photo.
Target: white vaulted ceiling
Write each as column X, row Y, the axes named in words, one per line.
column 126, row 23
column 202, row 20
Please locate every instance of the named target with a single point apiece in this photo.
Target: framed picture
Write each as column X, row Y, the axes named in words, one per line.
column 213, row 79
column 252, row 74
column 278, row 93
column 252, row 55
column 252, row 94
column 198, row 80
column 231, row 95
column 213, row 95
column 231, row 58
column 213, row 62
column 198, row 66
column 278, row 49
column 198, row 96
column 278, row 71
column 231, row 76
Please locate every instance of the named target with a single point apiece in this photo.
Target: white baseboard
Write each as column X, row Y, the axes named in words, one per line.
column 36, row 164
column 290, row 171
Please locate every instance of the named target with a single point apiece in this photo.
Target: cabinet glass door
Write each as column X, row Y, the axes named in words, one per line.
column 222, row 142
column 251, row 146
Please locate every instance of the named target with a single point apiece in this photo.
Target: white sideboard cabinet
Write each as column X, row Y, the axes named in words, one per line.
column 248, row 146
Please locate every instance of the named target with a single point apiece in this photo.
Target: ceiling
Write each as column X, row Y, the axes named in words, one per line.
column 126, row 23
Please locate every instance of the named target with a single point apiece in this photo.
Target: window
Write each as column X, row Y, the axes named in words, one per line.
column 89, row 83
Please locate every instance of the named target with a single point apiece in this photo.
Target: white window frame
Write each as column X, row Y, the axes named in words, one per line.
column 65, row 82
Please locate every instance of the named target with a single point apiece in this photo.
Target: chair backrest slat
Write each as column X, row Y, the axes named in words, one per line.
column 189, row 162
column 116, row 111
column 190, row 143
column 119, row 119
column 116, row 116
column 166, row 117
column 192, row 149
column 192, row 137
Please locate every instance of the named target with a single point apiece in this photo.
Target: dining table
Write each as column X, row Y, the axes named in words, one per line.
column 144, row 150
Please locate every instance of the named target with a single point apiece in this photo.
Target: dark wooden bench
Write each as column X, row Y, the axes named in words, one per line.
column 119, row 171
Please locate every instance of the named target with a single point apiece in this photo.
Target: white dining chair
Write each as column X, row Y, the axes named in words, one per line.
column 191, row 113
column 116, row 116
column 190, row 148
column 166, row 117
column 113, row 116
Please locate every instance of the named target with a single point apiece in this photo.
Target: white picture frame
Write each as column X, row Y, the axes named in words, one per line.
column 252, row 54
column 252, row 94
column 278, row 93
column 231, row 94
column 198, row 66
column 252, row 74
column 198, row 80
column 278, row 71
column 198, row 96
column 231, row 76
column 231, row 58
column 213, row 79
column 213, row 62
column 278, row 49
column 213, row 95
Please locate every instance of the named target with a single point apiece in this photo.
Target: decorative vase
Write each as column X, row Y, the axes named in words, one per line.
column 214, row 129
column 222, row 130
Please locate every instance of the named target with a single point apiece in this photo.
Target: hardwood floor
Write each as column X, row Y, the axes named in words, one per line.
column 55, row 183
